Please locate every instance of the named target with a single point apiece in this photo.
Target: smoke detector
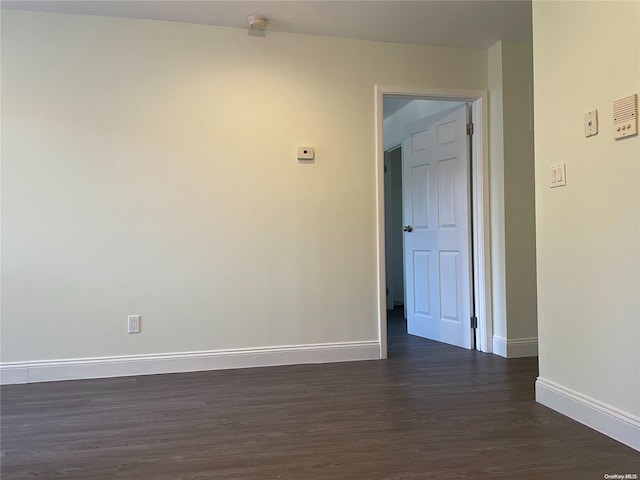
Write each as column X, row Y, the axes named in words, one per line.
column 257, row 24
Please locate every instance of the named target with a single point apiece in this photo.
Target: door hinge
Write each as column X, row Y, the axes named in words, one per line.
column 474, row 322
column 469, row 128
column 387, row 290
column 385, row 169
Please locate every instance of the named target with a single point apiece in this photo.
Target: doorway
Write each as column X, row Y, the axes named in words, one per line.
column 386, row 156
column 394, row 251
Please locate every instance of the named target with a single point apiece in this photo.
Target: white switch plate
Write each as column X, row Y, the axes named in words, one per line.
column 133, row 324
column 591, row 123
column 558, row 175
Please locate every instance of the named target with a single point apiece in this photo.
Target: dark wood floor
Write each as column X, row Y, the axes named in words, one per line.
column 429, row 412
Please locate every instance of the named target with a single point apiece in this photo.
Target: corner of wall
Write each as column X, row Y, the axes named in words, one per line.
column 512, row 198
column 496, row 159
column 604, row 418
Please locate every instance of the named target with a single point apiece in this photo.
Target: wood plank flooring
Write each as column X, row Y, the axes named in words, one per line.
column 429, row 412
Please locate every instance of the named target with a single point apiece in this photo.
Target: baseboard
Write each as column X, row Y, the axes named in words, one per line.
column 515, row 347
column 121, row 366
column 614, row 423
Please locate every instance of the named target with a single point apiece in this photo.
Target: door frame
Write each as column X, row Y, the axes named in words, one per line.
column 481, row 236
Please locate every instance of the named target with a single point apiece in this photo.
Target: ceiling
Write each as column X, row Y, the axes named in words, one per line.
column 476, row 23
column 392, row 104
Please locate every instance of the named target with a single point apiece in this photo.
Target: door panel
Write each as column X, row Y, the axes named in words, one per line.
column 421, row 277
column 447, row 171
column 437, row 248
column 420, row 194
column 449, row 286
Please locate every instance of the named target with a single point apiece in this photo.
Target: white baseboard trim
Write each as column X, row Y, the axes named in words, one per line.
column 614, row 423
column 122, row 366
column 515, row 347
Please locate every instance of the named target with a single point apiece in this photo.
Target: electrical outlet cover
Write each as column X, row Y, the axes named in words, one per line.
column 591, row 123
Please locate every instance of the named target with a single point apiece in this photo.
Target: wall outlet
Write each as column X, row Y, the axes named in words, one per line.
column 133, row 324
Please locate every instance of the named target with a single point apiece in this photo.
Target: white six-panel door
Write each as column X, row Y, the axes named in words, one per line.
column 435, row 180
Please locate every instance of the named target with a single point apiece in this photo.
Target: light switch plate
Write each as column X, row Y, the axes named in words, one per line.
column 591, row 123
column 558, row 175
column 133, row 324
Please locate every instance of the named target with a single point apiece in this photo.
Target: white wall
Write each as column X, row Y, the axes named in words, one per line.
column 519, row 191
column 512, row 200
column 496, row 156
column 150, row 168
column 588, row 233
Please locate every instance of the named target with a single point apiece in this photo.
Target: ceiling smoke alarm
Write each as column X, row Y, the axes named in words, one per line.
column 258, row 22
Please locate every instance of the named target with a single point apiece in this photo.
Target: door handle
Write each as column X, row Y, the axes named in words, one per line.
column 407, row 228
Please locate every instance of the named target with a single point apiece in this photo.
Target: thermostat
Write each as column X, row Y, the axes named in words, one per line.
column 305, row 153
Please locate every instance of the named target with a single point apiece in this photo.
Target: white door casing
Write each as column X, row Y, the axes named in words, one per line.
column 436, row 182
column 480, row 191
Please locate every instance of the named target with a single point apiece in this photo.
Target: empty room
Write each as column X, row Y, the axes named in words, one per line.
column 319, row 240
